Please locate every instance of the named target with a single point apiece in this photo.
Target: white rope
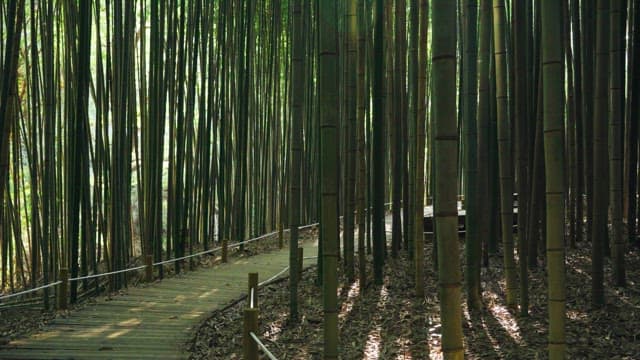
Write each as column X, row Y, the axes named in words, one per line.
column 308, row 226
column 262, row 347
column 282, row 272
column 108, row 273
column 30, row 290
column 274, row 276
column 254, row 239
column 216, row 249
column 186, row 257
column 169, row 261
column 87, row 277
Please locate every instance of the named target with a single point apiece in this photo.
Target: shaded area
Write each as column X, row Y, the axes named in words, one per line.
column 388, row 323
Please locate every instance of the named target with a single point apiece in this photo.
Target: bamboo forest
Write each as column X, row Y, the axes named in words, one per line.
column 319, row 179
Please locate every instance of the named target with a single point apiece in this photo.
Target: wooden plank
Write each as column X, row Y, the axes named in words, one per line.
column 113, row 344
column 62, row 354
column 153, row 321
column 129, row 323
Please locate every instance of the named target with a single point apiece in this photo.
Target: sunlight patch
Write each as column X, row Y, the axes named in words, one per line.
column 208, row 293
column 93, row 332
column 372, row 346
column 130, row 322
column 118, row 333
column 507, row 321
column 347, row 305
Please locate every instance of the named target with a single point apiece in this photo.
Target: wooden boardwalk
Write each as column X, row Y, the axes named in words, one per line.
column 150, row 322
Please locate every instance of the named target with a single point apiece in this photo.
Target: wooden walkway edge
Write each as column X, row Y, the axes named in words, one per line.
column 152, row 322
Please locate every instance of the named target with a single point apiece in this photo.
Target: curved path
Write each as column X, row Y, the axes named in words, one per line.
column 150, row 322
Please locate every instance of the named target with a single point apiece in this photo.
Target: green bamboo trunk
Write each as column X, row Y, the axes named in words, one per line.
column 579, row 115
column 600, row 157
column 616, row 152
column 328, row 101
column 361, row 161
column 446, row 166
column 351, row 143
column 297, row 54
column 400, row 102
column 553, row 107
column 634, row 121
column 421, row 115
column 378, row 146
column 473, row 246
column 412, row 108
column 482, row 122
column 521, row 30
column 587, row 17
column 504, row 150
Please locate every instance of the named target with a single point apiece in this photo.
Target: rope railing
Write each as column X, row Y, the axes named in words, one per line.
column 284, row 270
column 164, row 262
column 169, row 261
column 115, row 272
column 262, row 347
column 269, row 280
column 25, row 292
column 251, row 341
column 306, row 226
column 232, row 246
column 135, row 268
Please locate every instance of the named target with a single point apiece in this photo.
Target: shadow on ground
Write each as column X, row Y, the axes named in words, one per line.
column 388, row 322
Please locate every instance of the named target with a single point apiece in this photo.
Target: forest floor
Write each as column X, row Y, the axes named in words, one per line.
column 388, row 322
column 27, row 316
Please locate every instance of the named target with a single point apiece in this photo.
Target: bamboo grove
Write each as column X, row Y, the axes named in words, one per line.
column 161, row 128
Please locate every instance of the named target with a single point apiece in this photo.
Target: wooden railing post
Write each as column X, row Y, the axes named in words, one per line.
column 280, row 236
column 149, row 269
column 64, row 289
column 250, row 325
column 253, row 284
column 225, row 249
column 300, row 261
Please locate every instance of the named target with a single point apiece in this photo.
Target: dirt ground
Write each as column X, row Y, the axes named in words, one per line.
column 388, row 322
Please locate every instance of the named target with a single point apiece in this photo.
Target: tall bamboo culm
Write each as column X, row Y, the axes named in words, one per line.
column 446, row 168
column 553, row 107
column 328, row 101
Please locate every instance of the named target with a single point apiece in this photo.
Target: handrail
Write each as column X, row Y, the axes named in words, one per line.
column 93, row 276
column 286, row 268
column 251, row 315
column 31, row 290
column 262, row 346
column 169, row 261
column 306, row 226
column 274, row 277
column 164, row 262
column 235, row 245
